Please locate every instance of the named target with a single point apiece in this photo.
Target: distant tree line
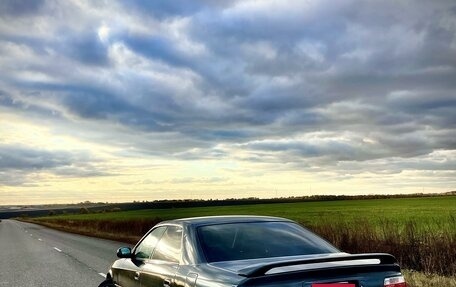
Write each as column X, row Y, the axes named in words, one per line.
column 100, row 207
column 183, row 203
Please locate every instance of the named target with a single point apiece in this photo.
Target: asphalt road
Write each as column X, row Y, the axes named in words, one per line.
column 36, row 256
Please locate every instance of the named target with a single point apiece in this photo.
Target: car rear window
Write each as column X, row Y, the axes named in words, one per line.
column 238, row 241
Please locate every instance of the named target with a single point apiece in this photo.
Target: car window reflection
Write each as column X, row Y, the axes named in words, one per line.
column 147, row 246
column 169, row 246
column 226, row 242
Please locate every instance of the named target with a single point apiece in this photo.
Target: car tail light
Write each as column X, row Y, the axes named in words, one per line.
column 397, row 281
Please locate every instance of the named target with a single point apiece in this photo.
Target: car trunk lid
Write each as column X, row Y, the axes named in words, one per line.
column 359, row 270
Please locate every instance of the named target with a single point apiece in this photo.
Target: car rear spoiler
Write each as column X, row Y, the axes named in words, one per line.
column 261, row 269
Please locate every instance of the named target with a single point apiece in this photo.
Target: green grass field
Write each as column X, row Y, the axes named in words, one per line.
column 437, row 212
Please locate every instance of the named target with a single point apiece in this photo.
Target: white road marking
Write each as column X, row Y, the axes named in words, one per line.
column 57, row 249
column 40, row 239
column 102, row 275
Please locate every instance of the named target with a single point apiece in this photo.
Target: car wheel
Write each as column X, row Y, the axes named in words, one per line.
column 107, row 283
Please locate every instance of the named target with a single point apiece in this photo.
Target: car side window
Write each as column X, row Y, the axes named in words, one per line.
column 169, row 246
column 145, row 249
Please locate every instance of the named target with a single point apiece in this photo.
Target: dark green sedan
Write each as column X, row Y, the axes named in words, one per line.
column 240, row 251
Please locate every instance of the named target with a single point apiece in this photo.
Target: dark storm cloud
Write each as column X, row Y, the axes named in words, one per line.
column 20, row 164
column 13, row 157
column 86, row 48
column 320, row 152
column 250, row 22
column 163, row 8
column 422, row 102
column 109, row 107
column 321, row 84
column 88, row 102
column 19, row 8
column 155, row 47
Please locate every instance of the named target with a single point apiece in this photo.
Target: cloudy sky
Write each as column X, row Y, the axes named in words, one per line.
column 144, row 100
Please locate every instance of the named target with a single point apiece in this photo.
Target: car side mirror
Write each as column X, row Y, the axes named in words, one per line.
column 124, row 252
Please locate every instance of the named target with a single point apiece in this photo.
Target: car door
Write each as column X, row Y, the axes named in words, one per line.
column 129, row 275
column 161, row 270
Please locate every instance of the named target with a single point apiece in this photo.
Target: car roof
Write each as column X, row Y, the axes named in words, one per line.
column 224, row 219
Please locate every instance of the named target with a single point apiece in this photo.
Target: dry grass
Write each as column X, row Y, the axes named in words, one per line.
column 128, row 231
column 428, row 251
column 418, row 279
